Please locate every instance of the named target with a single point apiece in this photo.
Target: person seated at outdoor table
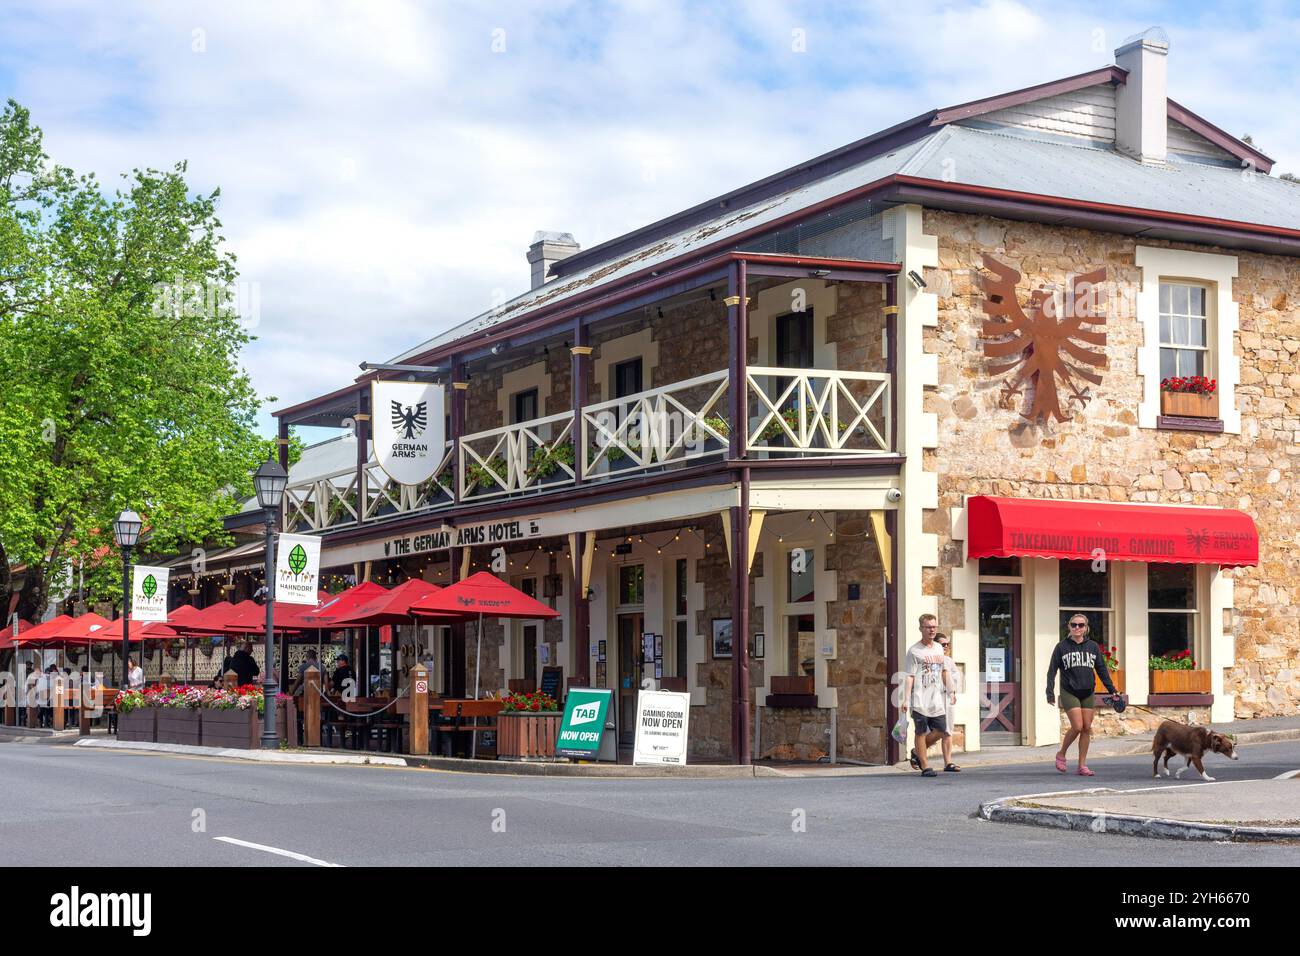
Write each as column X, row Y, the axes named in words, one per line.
column 243, row 664
column 301, row 681
column 342, row 672
column 221, row 671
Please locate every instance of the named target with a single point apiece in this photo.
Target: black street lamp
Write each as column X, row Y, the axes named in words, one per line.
column 126, row 531
column 270, row 480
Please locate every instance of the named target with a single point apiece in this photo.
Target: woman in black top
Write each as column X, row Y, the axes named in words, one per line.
column 1078, row 658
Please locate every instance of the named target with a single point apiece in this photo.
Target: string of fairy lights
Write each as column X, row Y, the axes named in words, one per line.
column 435, row 567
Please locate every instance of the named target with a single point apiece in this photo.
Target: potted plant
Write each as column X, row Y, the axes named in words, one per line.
column 1176, row 673
column 137, row 716
column 486, row 476
column 1112, row 665
column 528, row 726
column 179, row 720
column 1191, row 396
column 230, row 718
column 544, row 462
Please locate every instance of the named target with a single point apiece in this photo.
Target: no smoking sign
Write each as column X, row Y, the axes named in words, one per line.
column 422, row 687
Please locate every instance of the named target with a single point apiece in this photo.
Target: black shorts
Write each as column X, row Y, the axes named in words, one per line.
column 925, row 724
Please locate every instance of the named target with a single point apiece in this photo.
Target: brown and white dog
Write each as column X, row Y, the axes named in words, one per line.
column 1181, row 740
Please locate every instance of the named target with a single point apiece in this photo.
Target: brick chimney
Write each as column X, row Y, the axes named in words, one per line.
column 547, row 249
column 1141, row 102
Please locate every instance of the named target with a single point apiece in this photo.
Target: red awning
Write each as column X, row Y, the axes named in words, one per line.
column 1043, row 528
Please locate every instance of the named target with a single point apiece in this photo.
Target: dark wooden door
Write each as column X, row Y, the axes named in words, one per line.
column 629, row 675
column 999, row 664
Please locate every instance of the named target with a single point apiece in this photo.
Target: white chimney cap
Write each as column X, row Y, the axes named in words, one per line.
column 1151, row 36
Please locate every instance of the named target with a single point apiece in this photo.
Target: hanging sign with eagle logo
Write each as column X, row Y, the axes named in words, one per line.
column 297, row 568
column 1043, row 344
column 410, row 435
column 148, row 593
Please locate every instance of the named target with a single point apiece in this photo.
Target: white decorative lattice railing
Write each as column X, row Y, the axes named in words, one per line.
column 659, row 426
column 818, row 411
column 504, row 461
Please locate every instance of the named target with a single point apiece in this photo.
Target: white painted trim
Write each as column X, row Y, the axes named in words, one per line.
column 521, row 380
column 640, row 344
column 1040, row 632
column 1135, row 640
column 1218, row 271
column 916, row 429
column 764, row 308
column 965, row 587
column 1222, row 641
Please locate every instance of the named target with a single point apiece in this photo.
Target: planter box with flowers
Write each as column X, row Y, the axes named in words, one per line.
column 1116, row 675
column 137, row 718
column 1177, row 674
column 528, row 726
column 230, row 718
column 179, row 718
column 1193, row 396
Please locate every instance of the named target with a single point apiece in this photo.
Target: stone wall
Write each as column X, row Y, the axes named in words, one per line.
column 985, row 447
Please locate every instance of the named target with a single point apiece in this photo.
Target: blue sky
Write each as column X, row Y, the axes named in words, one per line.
column 383, row 165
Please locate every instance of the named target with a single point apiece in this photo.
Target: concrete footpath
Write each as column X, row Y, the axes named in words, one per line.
column 1247, row 732
column 1250, row 810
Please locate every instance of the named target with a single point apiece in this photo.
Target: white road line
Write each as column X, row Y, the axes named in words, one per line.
column 276, row 850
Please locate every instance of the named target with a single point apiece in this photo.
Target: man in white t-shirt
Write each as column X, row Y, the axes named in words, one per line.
column 926, row 692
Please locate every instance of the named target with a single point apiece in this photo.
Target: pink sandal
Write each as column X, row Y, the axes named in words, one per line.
column 1085, row 772
column 1060, row 763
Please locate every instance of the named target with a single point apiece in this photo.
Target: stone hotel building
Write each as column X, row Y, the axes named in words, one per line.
column 920, row 373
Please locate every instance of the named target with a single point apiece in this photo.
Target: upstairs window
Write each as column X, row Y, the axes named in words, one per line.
column 1184, row 331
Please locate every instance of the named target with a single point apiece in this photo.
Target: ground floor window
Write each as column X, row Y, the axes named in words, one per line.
column 1171, row 607
column 1085, row 589
column 801, row 643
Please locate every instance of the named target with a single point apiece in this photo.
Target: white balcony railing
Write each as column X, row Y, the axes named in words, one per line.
column 818, row 412
column 660, row 426
column 504, row 461
column 792, row 413
column 330, row 501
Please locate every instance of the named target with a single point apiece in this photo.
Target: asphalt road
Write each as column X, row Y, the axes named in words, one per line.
column 62, row 805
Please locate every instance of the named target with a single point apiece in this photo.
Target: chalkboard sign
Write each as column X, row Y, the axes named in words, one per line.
column 552, row 681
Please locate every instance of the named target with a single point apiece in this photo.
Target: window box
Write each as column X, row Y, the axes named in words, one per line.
column 1116, row 675
column 1180, row 682
column 1189, row 404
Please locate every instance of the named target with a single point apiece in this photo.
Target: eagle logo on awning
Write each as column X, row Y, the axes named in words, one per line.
column 1041, row 347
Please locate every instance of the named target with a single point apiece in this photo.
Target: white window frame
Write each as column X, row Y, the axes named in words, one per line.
column 1208, row 364
column 1112, row 611
column 1198, row 595
column 1216, row 273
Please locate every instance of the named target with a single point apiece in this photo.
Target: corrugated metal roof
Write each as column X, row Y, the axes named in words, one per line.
column 324, row 458
column 999, row 159
column 729, row 223
column 1003, row 160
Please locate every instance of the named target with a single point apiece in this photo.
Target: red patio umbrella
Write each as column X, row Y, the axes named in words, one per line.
column 34, row 634
column 215, row 618
column 332, row 613
column 482, row 594
column 140, row 630
column 77, row 630
column 7, row 634
column 392, row 606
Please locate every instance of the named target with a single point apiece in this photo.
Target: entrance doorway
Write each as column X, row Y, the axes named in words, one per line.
column 1000, row 721
column 629, row 675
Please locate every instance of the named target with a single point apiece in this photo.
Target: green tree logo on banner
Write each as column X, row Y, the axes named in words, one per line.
column 297, row 559
column 149, row 586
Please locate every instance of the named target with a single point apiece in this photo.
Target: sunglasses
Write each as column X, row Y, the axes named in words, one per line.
column 1078, row 624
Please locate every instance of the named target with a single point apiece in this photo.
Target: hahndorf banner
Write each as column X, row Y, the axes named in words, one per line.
column 297, row 568
column 149, row 593
column 409, row 432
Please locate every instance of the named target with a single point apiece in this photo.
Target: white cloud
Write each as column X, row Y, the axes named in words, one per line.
column 383, row 170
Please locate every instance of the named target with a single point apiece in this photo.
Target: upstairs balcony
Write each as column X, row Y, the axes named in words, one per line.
column 553, row 411
column 793, row 414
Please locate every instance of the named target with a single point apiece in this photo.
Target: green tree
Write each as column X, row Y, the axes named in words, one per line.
column 120, row 383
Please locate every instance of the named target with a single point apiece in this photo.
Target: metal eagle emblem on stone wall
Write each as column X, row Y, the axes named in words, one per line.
column 1042, row 348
